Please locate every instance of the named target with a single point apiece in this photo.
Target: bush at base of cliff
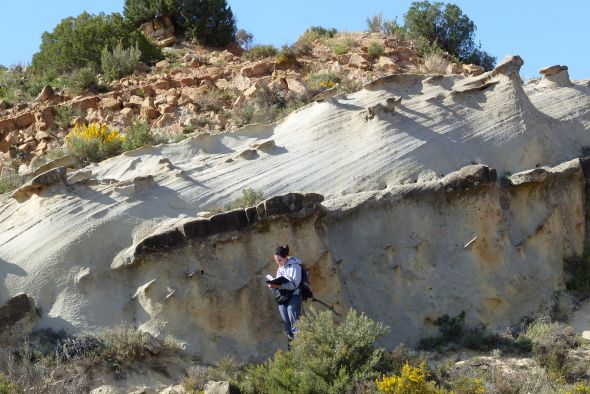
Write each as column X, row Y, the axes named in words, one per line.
column 94, row 142
column 325, row 357
column 139, row 134
column 410, row 380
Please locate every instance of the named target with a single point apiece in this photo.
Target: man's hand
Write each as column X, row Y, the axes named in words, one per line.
column 274, row 286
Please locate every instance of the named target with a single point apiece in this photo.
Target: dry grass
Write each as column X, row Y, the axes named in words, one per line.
column 51, row 362
column 435, row 63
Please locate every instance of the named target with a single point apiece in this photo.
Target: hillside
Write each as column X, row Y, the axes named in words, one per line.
column 411, row 190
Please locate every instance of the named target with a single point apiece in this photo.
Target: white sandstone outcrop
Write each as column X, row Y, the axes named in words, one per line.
column 401, row 234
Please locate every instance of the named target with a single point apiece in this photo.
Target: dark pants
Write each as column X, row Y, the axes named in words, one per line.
column 290, row 312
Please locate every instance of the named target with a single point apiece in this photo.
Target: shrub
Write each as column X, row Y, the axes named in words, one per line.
column 551, row 343
column 81, row 80
column 450, row 328
column 119, row 62
column 323, row 80
column 465, row 385
column 94, row 142
column 249, row 198
column 139, row 134
column 243, row 114
column 393, row 361
column 9, row 181
column 447, row 27
column 258, row 52
column 226, row 370
column 12, row 88
column 63, row 116
column 580, row 388
column 435, row 63
column 71, row 348
column 410, row 380
column 244, row 39
column 577, row 270
column 6, row 386
column 211, row 101
column 211, row 22
column 140, row 11
column 340, row 48
column 317, row 33
column 78, row 42
column 287, row 55
column 378, row 24
column 375, row 50
column 482, row 58
column 325, row 357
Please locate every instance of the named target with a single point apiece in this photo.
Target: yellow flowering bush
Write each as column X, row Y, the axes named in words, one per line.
column 321, row 81
column 412, row 380
column 580, row 388
column 94, row 142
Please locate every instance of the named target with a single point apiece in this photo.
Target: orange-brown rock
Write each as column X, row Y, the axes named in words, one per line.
column 189, row 81
column 42, row 135
column 166, row 109
column 164, row 120
column 149, row 113
column 473, row 69
column 257, row 69
column 83, row 104
column 172, row 100
column 357, row 60
column 162, row 84
column 46, row 93
column 110, row 103
column 24, row 120
column 149, row 91
column 7, row 125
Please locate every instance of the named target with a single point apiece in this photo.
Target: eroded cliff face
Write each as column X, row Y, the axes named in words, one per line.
column 406, row 232
column 406, row 256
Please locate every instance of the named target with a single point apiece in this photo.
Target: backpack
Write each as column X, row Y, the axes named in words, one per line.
column 304, row 287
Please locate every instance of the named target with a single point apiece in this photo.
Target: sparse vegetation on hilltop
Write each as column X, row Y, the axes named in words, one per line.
column 436, row 26
column 79, row 42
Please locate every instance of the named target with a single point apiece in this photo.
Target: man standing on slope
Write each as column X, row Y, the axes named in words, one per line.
column 290, row 268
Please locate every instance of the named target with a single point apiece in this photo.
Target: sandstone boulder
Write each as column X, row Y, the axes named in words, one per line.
column 295, row 86
column 387, row 65
column 358, row 61
column 46, row 93
column 551, row 70
column 110, row 103
column 257, row 69
column 178, row 389
column 24, row 120
column 473, row 69
column 40, row 183
column 454, row 68
column 83, row 104
column 17, row 318
column 212, row 387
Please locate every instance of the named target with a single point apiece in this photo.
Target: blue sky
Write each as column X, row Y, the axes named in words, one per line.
column 543, row 33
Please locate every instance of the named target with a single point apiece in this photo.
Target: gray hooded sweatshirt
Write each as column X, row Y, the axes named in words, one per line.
column 292, row 271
